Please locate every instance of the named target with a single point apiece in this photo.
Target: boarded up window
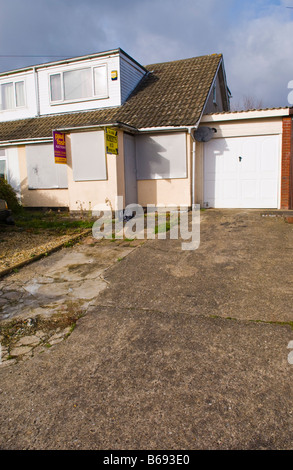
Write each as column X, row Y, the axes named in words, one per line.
column 88, row 156
column 42, row 171
column 161, row 156
column 3, row 169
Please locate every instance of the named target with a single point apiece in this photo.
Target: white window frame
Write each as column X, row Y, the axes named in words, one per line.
column 78, row 100
column 14, row 95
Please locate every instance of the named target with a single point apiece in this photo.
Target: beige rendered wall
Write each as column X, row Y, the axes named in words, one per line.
column 87, row 195
column 80, row 195
column 199, row 173
column 245, row 127
column 167, row 192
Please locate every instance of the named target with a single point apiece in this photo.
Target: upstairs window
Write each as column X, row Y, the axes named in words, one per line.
column 12, row 95
column 55, row 86
column 100, row 81
column 79, row 84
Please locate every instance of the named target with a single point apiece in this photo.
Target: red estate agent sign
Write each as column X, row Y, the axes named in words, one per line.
column 59, row 147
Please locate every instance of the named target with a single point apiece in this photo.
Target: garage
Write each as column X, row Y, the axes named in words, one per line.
column 242, row 172
column 248, row 161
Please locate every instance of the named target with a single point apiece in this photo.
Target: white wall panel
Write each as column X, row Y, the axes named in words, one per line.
column 43, row 172
column 13, row 168
column 88, row 156
column 161, row 156
column 247, row 127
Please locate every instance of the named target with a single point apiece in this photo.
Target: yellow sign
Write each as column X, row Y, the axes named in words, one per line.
column 114, row 74
column 111, row 141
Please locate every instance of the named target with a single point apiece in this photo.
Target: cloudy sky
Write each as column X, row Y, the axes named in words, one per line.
column 255, row 36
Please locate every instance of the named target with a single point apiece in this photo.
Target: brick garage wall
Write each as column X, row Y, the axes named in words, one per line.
column 287, row 165
column 291, row 168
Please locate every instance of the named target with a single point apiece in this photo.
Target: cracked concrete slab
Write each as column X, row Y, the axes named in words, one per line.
column 70, row 275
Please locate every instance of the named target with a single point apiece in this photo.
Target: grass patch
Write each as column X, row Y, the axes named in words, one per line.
column 280, row 323
column 163, row 225
column 11, row 331
column 162, row 228
column 266, row 322
column 57, row 222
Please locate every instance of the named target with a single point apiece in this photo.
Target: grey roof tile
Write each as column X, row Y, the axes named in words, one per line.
column 171, row 94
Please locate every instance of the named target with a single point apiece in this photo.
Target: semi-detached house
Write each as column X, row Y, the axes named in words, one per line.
column 178, row 142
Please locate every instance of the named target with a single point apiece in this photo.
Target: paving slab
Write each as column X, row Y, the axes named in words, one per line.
column 131, row 379
column 64, row 277
column 242, row 269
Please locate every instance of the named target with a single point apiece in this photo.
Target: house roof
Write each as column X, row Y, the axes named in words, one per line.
column 41, row 127
column 170, row 94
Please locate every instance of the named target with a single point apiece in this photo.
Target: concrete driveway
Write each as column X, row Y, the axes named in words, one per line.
column 180, row 349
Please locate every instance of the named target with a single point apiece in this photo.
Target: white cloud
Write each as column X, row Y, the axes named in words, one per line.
column 254, row 35
column 260, row 60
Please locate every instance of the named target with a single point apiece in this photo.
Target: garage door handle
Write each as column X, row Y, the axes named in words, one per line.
column 240, row 158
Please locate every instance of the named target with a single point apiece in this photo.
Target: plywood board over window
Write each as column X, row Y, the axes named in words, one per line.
column 42, row 171
column 88, row 156
column 161, row 156
column 3, row 164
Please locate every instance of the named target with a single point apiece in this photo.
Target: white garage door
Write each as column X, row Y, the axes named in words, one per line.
column 242, row 172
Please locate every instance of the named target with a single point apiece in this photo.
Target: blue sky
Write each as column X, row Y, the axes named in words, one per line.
column 255, row 37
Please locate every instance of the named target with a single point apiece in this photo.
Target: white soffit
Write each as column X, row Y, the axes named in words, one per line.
column 240, row 115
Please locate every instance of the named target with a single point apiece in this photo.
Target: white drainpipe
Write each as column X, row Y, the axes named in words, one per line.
column 37, row 90
column 191, row 131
